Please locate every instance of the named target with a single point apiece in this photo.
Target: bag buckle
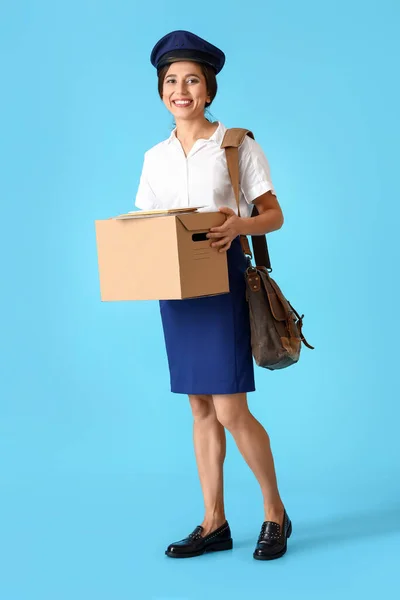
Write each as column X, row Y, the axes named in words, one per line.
column 245, row 246
column 253, row 279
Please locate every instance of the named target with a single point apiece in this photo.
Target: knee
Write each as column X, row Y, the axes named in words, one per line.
column 202, row 407
column 232, row 417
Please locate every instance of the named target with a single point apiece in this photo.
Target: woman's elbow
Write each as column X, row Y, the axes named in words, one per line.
column 279, row 220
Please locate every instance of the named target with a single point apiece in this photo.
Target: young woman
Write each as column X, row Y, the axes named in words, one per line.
column 208, row 339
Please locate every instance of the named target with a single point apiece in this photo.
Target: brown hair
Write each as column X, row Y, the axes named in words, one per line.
column 209, row 75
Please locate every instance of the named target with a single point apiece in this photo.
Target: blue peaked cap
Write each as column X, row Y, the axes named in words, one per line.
column 184, row 45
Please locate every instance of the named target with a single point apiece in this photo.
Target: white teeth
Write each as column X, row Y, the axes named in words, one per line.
column 182, row 102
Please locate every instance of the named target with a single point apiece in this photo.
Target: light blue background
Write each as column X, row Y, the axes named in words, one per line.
column 98, row 473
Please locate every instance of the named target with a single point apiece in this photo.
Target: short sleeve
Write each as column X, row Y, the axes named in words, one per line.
column 255, row 176
column 145, row 197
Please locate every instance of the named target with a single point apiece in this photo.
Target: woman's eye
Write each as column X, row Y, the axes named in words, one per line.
column 187, row 81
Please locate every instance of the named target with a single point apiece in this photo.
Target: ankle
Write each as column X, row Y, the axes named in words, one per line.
column 274, row 512
column 213, row 522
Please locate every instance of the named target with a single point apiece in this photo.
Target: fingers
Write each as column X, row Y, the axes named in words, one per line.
column 222, row 243
column 222, row 228
column 226, row 247
column 218, row 234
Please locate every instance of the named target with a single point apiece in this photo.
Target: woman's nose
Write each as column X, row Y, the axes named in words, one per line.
column 182, row 87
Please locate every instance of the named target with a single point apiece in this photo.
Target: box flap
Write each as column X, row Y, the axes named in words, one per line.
column 139, row 214
column 201, row 221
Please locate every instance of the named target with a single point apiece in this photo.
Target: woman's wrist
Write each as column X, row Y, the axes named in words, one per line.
column 244, row 226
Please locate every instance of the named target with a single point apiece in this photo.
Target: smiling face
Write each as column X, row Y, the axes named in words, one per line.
column 184, row 90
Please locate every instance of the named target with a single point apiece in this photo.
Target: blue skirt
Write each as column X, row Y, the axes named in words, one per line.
column 208, row 339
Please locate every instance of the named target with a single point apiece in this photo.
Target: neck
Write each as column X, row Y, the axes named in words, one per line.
column 192, row 130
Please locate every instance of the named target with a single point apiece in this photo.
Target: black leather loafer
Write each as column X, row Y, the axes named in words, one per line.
column 195, row 544
column 272, row 541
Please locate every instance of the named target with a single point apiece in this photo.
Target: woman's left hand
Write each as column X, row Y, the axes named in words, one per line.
column 227, row 232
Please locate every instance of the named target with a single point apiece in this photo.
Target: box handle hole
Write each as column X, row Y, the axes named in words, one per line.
column 200, row 237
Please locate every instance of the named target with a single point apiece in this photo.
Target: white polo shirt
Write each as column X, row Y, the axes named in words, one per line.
column 169, row 179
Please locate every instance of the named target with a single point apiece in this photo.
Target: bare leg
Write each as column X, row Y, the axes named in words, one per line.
column 210, row 449
column 254, row 444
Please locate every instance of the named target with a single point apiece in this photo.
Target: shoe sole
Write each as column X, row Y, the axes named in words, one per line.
column 279, row 554
column 218, row 547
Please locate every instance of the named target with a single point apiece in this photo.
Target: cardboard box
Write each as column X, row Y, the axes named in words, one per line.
column 160, row 257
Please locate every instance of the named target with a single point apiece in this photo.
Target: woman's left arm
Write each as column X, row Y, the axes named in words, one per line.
column 270, row 218
column 257, row 188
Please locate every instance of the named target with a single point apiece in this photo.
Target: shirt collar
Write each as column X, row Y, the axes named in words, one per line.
column 216, row 137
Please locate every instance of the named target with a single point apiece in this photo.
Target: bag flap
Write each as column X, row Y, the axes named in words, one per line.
column 201, row 221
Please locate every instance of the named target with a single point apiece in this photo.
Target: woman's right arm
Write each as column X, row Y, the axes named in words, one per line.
column 145, row 197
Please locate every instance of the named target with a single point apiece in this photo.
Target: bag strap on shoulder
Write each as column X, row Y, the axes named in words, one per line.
column 231, row 142
column 235, row 136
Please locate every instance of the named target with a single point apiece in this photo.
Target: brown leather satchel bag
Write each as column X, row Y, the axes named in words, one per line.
column 276, row 327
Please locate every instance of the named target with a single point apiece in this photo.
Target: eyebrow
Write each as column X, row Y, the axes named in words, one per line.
column 188, row 75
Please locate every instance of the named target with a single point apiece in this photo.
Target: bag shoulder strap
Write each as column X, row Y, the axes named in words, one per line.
column 233, row 138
